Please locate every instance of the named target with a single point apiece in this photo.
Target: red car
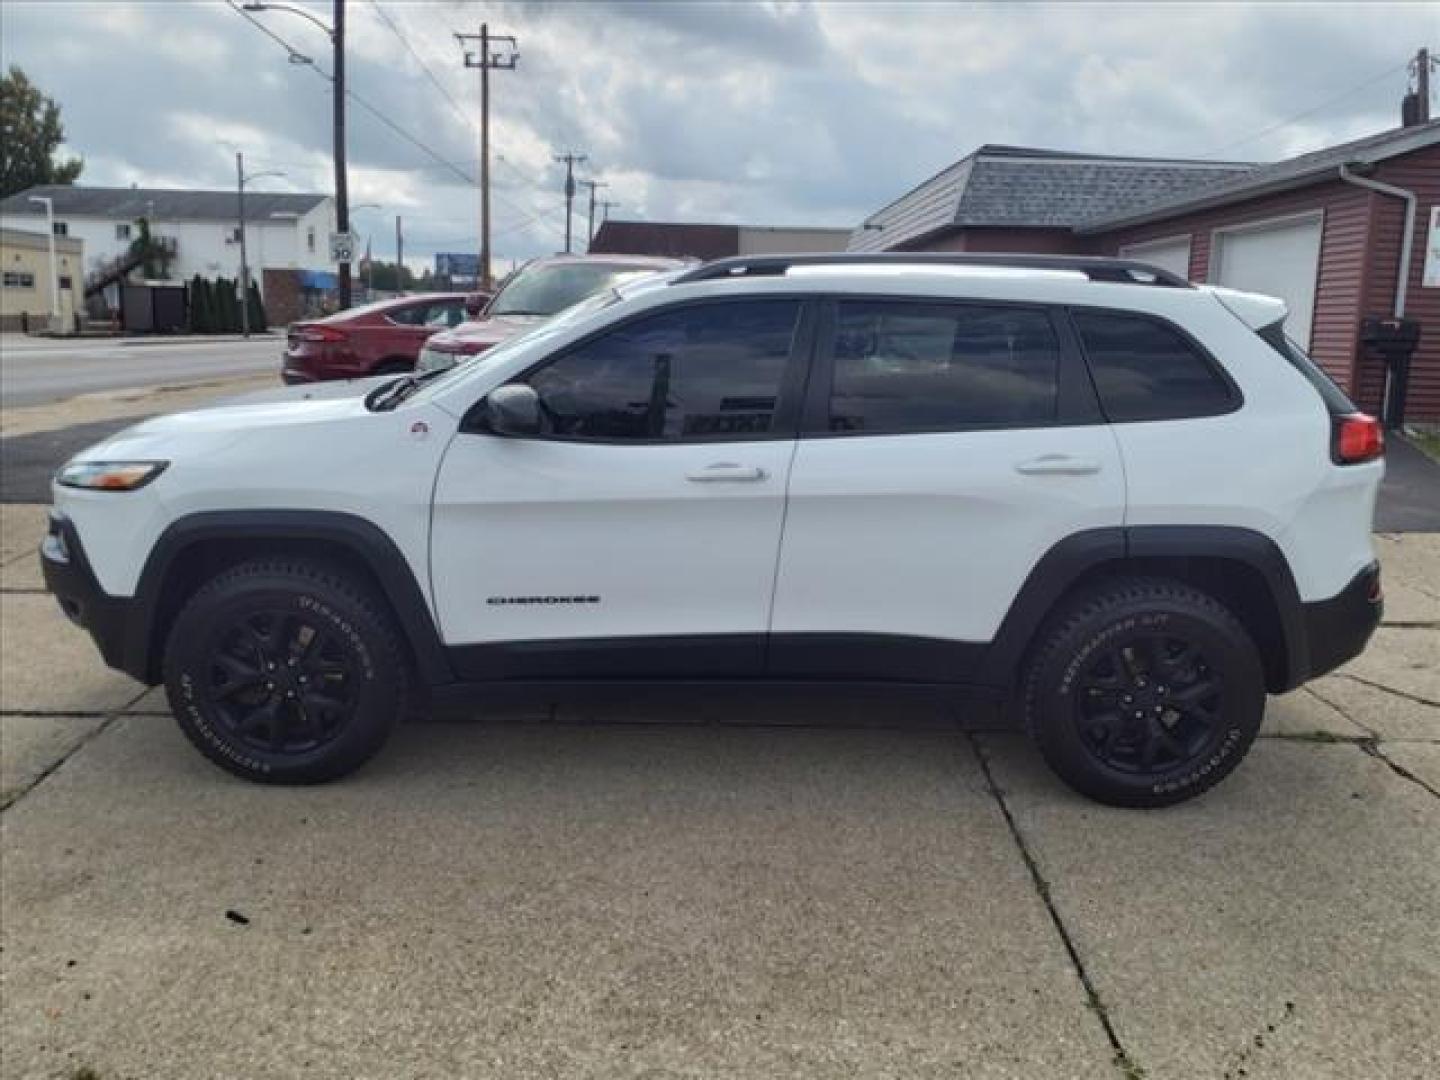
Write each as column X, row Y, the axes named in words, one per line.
column 375, row 339
column 539, row 289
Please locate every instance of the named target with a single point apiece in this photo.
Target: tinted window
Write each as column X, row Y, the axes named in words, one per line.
column 444, row 315
column 1146, row 370
column 926, row 367
column 414, row 315
column 546, row 288
column 1336, row 400
column 696, row 372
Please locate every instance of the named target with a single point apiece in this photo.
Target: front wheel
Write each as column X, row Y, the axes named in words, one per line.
column 1144, row 692
column 285, row 671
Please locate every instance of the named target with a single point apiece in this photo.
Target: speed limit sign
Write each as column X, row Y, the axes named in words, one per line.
column 342, row 247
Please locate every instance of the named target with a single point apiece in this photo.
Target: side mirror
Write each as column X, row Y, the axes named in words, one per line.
column 513, row 410
column 475, row 304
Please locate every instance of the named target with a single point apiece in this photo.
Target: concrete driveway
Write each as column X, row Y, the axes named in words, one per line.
column 796, row 888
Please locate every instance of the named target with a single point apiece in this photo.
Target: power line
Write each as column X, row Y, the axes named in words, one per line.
column 439, row 159
column 1311, row 111
column 394, row 29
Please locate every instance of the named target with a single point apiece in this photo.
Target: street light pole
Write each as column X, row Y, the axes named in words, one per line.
column 54, row 270
column 337, row 82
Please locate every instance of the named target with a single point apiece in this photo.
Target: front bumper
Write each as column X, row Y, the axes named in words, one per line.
column 112, row 621
column 1337, row 630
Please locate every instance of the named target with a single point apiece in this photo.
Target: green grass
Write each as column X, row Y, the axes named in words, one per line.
column 1428, row 441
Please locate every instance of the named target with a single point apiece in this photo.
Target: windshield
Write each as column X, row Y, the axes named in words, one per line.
column 547, row 288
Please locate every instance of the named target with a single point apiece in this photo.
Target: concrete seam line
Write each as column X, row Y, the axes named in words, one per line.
column 1129, row 1068
column 1388, row 689
column 1371, row 746
column 54, row 766
column 1310, row 689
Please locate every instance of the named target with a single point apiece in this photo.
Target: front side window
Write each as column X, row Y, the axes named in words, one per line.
column 931, row 367
column 1145, row 369
column 414, row 315
column 699, row 372
column 444, row 316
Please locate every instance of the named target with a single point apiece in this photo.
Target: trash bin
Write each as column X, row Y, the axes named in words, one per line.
column 1394, row 340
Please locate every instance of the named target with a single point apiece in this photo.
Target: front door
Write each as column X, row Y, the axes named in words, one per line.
column 639, row 533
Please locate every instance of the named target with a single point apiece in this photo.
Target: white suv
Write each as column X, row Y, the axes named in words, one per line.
column 1122, row 505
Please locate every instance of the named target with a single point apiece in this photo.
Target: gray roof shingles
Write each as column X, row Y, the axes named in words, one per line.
column 161, row 204
column 1019, row 187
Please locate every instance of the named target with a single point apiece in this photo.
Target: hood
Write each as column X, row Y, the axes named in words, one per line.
column 485, row 332
column 316, row 391
column 216, row 426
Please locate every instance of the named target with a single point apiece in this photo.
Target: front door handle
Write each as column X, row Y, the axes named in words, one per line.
column 1058, row 465
column 726, row 470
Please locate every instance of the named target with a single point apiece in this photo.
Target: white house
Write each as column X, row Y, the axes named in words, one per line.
column 282, row 231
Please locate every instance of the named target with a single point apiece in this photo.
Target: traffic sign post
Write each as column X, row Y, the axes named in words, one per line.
column 342, row 247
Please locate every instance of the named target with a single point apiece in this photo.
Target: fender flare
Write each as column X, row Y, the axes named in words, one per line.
column 1074, row 556
column 360, row 538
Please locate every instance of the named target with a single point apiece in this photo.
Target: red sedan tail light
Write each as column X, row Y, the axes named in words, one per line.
column 1355, row 437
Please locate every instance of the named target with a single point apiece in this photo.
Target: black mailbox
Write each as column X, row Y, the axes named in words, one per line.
column 1395, row 340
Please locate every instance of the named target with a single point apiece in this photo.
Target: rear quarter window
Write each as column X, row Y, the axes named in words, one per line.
column 1146, row 369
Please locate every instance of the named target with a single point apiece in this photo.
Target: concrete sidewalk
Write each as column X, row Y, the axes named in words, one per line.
column 796, row 888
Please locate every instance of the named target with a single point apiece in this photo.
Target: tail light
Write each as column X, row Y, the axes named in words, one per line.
column 322, row 334
column 1355, row 437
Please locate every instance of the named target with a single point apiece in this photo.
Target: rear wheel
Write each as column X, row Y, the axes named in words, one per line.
column 285, row 671
column 1144, row 692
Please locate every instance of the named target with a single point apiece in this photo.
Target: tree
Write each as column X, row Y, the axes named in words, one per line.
column 257, row 310
column 30, row 133
column 154, row 256
column 199, row 306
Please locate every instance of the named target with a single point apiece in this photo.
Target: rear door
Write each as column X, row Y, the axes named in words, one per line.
column 638, row 535
column 946, row 447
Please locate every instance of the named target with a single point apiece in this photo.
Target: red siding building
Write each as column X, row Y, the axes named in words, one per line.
column 1308, row 229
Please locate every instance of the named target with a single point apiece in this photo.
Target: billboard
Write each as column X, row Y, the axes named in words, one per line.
column 457, row 265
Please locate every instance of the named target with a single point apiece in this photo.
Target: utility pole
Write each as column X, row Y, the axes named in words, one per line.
column 606, row 206
column 503, row 59
column 244, row 263
column 399, row 258
column 590, row 221
column 571, row 160
column 342, row 187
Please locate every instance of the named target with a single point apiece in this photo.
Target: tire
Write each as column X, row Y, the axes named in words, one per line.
column 1143, row 692
column 285, row 671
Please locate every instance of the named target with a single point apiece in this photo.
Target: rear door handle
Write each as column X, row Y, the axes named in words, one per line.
column 726, row 470
column 1058, row 465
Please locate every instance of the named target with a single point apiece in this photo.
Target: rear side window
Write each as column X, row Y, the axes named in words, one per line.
column 1146, row 370
column 1336, row 400
column 933, row 367
column 702, row 372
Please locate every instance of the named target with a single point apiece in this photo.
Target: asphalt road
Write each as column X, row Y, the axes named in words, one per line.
column 37, row 370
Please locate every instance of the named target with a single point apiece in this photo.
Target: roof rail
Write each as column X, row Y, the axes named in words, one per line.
column 1096, row 268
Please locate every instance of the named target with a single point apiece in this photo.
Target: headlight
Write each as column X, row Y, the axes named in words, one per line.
column 110, row 475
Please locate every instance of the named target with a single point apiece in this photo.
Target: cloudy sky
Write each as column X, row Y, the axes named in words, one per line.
column 765, row 113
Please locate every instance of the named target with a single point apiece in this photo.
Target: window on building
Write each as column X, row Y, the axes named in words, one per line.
column 66, row 282
column 936, row 367
column 122, row 230
column 1146, row 369
column 19, row 279
column 60, row 228
column 706, row 371
column 233, row 235
column 310, row 239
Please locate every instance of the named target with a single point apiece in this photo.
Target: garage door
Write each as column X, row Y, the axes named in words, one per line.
column 1171, row 254
column 1279, row 258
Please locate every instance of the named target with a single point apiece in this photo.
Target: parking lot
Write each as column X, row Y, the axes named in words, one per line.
column 738, row 887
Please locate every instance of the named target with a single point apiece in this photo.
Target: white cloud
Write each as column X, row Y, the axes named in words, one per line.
column 771, row 113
